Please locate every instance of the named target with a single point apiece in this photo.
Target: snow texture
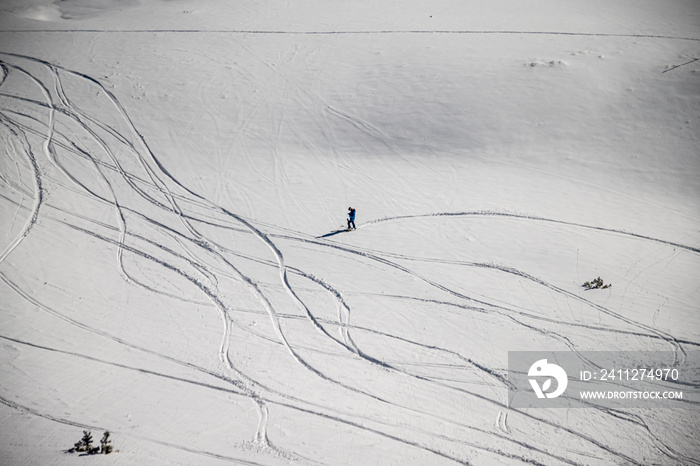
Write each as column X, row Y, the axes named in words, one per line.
column 175, row 177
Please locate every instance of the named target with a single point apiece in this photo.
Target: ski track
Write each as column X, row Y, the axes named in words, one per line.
column 203, row 262
column 491, row 213
column 38, row 189
column 508, row 311
column 358, row 32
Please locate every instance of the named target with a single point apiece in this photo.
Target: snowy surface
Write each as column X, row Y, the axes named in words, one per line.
column 174, row 172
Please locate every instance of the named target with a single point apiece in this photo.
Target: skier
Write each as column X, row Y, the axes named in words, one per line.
column 351, row 218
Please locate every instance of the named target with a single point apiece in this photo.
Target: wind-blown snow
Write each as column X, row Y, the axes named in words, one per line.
column 175, row 172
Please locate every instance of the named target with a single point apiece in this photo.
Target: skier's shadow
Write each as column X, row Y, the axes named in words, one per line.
column 333, row 233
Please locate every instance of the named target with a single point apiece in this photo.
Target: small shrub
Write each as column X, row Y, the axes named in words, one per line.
column 85, row 445
column 596, row 284
column 106, row 444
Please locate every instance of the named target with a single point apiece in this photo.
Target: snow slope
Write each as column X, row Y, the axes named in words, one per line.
column 174, row 173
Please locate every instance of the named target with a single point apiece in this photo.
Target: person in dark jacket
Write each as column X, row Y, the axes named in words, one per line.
column 351, row 218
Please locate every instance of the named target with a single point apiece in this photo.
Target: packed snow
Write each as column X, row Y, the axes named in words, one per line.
column 174, row 188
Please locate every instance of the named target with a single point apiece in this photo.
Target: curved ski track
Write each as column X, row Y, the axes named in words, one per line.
column 147, row 200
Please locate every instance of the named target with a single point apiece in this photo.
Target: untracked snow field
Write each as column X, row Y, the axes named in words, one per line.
column 175, row 176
